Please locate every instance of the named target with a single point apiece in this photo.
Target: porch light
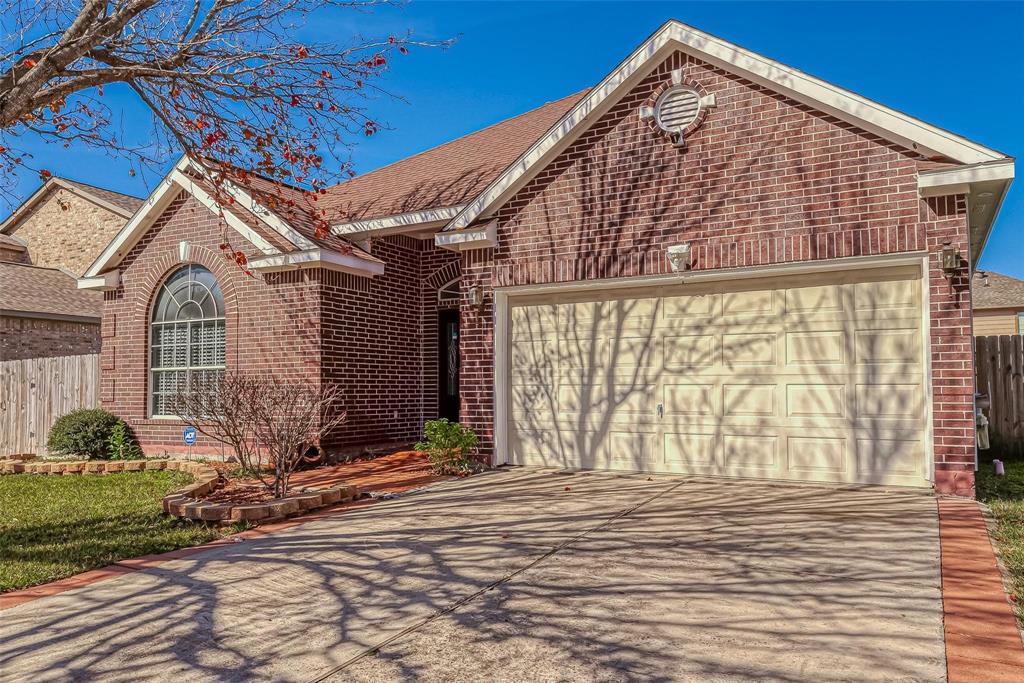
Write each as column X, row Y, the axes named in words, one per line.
column 476, row 296
column 950, row 258
column 679, row 257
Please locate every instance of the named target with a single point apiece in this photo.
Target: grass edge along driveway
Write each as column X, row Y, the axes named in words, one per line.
column 55, row 527
column 1005, row 497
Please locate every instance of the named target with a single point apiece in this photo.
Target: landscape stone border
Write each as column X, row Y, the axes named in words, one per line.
column 187, row 502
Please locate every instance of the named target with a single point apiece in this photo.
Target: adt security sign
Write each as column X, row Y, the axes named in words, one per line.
column 189, row 435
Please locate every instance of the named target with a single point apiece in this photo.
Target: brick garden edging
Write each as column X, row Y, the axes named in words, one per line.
column 186, row 502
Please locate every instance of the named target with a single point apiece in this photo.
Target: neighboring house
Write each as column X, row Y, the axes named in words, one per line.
column 65, row 224
column 998, row 304
column 44, row 314
column 709, row 263
column 45, row 245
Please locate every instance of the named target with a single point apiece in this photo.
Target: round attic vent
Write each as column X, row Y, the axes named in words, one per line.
column 677, row 108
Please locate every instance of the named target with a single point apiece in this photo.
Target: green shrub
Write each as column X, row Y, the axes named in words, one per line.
column 83, row 433
column 449, row 447
column 122, row 444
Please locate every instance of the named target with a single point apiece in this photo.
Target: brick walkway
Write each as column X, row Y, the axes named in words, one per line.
column 982, row 640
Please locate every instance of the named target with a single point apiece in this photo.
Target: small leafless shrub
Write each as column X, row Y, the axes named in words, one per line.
column 263, row 419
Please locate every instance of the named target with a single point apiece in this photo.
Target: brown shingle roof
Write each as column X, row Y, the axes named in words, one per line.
column 127, row 202
column 31, row 289
column 448, row 175
column 1001, row 291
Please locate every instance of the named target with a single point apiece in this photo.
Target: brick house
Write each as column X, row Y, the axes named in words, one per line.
column 707, row 263
column 45, row 245
column 998, row 302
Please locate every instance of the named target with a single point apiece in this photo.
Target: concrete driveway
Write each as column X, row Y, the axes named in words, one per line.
column 513, row 576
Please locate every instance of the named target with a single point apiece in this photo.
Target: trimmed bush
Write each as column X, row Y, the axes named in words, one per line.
column 122, row 444
column 449, row 447
column 83, row 433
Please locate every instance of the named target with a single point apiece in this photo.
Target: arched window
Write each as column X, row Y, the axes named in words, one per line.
column 188, row 334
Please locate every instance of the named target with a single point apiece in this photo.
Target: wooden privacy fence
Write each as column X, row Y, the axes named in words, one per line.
column 999, row 364
column 34, row 392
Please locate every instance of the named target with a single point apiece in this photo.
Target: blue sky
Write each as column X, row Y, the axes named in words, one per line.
column 959, row 66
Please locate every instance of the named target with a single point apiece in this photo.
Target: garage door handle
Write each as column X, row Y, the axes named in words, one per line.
column 660, row 410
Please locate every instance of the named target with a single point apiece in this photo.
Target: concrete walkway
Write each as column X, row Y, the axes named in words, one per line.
column 521, row 575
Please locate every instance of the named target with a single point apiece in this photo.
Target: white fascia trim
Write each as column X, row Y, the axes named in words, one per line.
column 156, row 202
column 268, row 217
column 953, row 180
column 462, row 240
column 318, row 258
column 69, row 187
column 412, row 219
column 232, row 220
column 102, row 283
column 871, row 116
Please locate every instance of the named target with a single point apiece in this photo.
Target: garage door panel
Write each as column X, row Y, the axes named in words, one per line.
column 886, row 459
column 690, row 352
column 815, row 299
column 816, row 400
column 817, row 379
column 822, row 347
column 749, row 400
column 745, row 452
column 817, row 458
column 693, row 452
column 749, row 348
column 892, row 399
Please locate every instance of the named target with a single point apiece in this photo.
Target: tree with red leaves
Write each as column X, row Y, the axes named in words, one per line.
column 226, row 81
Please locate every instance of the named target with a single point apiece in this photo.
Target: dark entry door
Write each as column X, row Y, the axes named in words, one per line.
column 448, row 365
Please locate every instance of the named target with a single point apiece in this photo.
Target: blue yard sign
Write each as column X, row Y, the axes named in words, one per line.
column 189, row 435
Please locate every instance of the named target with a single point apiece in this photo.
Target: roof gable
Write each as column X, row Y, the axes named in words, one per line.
column 439, row 178
column 870, row 116
column 995, row 290
column 279, row 240
column 120, row 204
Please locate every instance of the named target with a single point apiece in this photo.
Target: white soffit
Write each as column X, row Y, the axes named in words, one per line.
column 871, row 116
column 398, row 222
column 460, row 240
column 319, row 258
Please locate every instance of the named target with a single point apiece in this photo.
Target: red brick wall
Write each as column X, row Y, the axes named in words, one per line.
column 376, row 338
column 272, row 320
column 763, row 180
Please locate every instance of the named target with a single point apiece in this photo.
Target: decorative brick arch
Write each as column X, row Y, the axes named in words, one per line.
column 168, row 262
column 685, row 82
column 444, row 275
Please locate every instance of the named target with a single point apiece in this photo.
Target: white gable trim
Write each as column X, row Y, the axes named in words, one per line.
column 940, row 182
column 460, row 240
column 399, row 221
column 207, row 200
column 109, row 280
column 871, row 116
column 319, row 258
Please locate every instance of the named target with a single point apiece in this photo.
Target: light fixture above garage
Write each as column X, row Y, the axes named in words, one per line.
column 679, row 257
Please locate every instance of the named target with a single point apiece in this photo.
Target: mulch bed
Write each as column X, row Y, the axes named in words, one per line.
column 393, row 473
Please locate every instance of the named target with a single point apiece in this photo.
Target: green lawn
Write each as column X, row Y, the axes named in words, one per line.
column 1005, row 495
column 53, row 527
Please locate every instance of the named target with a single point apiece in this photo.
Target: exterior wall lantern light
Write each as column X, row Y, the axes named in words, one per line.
column 679, row 257
column 950, row 258
column 476, row 296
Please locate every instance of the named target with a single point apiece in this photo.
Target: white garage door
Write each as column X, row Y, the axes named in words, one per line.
column 812, row 377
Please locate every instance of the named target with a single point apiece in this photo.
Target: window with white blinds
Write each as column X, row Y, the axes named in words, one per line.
column 188, row 335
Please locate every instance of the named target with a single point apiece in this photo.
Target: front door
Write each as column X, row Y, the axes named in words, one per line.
column 448, row 364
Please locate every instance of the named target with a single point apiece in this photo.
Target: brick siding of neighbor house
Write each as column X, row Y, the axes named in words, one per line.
column 369, row 336
column 763, row 180
column 26, row 337
column 68, row 238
